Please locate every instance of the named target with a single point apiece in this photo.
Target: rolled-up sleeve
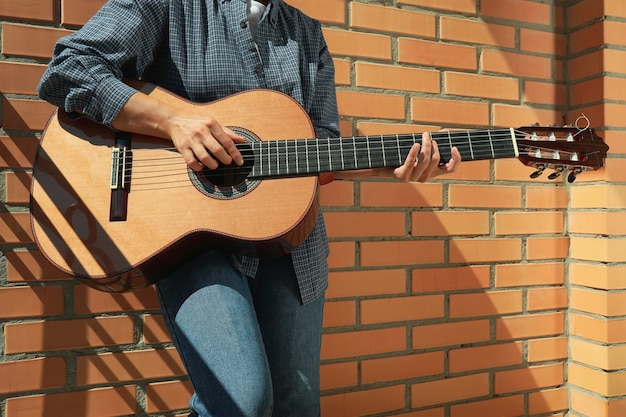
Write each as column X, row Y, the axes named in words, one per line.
column 86, row 72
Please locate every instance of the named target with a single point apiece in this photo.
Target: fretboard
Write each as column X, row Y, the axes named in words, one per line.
column 293, row 157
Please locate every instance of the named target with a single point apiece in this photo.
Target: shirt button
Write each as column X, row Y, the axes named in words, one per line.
column 243, row 24
column 258, row 70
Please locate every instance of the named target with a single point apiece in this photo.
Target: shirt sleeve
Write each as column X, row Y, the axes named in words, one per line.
column 324, row 113
column 86, row 71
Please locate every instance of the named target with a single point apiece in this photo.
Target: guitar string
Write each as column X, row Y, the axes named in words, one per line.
column 481, row 149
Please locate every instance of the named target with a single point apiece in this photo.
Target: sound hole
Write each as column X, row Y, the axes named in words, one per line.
column 228, row 181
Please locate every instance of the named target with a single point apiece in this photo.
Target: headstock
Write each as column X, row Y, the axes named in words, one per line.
column 561, row 149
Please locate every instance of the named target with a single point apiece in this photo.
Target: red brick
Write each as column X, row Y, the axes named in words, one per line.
column 485, row 304
column 68, row 334
column 450, row 334
column 392, row 253
column 449, row 389
column 29, row 41
column 358, row 44
column 398, row 194
column 28, row 9
column 547, row 349
column 31, row 374
column 331, row 11
column 20, row 78
column 361, row 224
column 18, row 302
column 339, row 313
column 17, row 152
column 366, row 282
column 436, row 54
column 101, row 402
column 337, row 193
column 516, row 275
column 479, row 196
column 473, row 85
column 485, row 357
column 31, row 266
column 461, row 6
column 25, row 114
column 359, row 403
column 537, row 222
column 154, row 329
column 450, row 279
column 342, row 255
column 477, row 32
column 389, row 19
column 485, row 250
column 172, row 395
column 519, row 327
column 15, row 228
column 77, row 12
column 338, row 375
column 449, row 112
column 88, row 300
column 551, row 400
column 543, row 42
column 17, row 187
column 402, row 367
column 521, row 10
column 396, row 78
column 358, row 104
column 452, row 223
column 387, row 310
column 510, row 406
column 359, row 343
column 530, row 378
column 519, row 65
column 128, row 366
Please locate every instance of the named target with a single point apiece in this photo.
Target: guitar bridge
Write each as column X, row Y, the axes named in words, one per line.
column 121, row 163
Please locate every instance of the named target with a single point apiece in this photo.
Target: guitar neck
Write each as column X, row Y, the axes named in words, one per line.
column 283, row 158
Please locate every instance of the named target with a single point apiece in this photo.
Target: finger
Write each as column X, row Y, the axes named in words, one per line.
column 454, row 162
column 424, row 159
column 227, row 150
column 405, row 171
column 434, row 163
column 195, row 164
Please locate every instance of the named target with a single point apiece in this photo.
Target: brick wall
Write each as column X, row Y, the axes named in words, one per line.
column 470, row 296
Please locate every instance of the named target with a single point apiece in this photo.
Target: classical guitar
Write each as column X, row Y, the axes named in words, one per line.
column 117, row 211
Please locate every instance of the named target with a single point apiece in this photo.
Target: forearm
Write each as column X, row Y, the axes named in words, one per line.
column 145, row 115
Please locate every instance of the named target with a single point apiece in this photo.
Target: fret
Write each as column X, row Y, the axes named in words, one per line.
column 317, row 154
column 469, row 142
column 343, row 165
column 296, row 156
column 330, row 155
column 356, row 162
column 382, row 147
column 493, row 155
column 308, row 164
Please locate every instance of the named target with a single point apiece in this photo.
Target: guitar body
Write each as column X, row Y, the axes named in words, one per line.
column 170, row 216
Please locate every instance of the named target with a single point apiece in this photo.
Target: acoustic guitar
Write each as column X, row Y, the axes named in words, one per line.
column 119, row 211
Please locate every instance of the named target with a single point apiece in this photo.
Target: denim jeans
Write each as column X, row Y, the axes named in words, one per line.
column 250, row 347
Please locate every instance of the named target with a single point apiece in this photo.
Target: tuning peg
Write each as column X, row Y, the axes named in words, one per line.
column 573, row 174
column 538, row 173
column 572, row 177
column 556, row 174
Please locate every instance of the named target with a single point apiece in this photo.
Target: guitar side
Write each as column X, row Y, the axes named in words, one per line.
column 168, row 218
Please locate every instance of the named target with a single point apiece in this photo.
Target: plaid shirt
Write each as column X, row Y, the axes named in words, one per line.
column 203, row 51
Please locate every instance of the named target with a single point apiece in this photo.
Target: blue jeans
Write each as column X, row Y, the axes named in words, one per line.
column 250, row 347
